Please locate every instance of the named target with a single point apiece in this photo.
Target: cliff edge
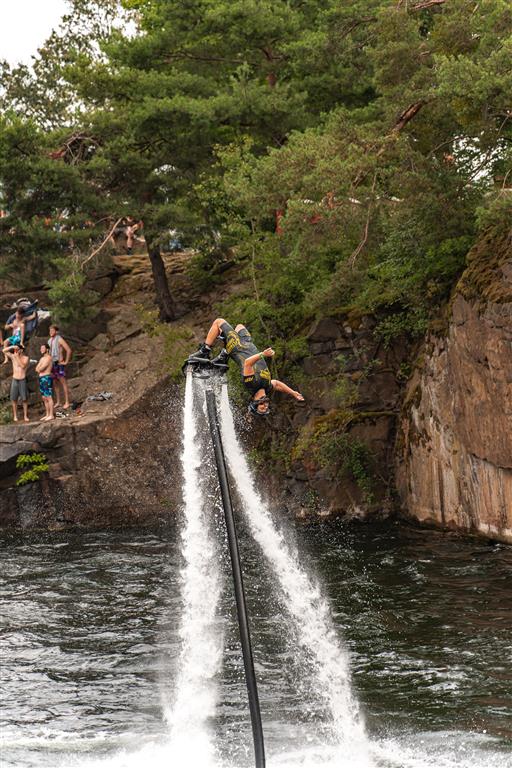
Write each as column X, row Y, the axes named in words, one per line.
column 454, row 449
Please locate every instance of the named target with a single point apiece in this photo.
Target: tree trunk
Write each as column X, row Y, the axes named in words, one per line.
column 164, row 299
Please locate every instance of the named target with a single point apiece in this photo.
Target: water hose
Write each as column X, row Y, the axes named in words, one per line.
column 241, row 607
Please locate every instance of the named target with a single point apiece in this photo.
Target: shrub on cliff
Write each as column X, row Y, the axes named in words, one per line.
column 35, row 465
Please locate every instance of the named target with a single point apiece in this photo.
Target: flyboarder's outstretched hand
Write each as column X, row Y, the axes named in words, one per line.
column 280, row 386
column 268, row 352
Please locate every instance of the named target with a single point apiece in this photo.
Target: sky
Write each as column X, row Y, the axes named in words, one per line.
column 25, row 25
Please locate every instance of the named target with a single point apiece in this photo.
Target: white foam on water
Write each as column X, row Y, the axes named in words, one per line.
column 201, row 642
column 306, row 605
column 450, row 749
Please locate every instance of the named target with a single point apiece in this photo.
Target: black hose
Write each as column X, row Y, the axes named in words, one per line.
column 243, row 622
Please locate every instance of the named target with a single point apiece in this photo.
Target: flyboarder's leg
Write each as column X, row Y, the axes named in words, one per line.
column 211, row 337
column 214, row 332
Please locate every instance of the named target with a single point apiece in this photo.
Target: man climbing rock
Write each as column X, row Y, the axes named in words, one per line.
column 239, row 346
column 19, row 390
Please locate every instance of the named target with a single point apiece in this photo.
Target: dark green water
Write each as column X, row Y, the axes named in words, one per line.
column 89, row 646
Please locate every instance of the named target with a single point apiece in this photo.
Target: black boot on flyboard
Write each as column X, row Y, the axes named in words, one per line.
column 201, row 364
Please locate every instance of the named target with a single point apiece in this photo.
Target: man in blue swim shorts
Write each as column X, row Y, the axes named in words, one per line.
column 44, row 369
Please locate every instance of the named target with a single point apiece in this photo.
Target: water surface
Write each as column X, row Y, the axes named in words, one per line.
column 89, row 647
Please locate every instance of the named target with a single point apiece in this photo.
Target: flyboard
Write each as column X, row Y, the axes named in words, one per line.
column 206, row 369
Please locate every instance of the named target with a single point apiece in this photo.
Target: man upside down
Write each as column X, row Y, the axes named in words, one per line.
column 239, row 346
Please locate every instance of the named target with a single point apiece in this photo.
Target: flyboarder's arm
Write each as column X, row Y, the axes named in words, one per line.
column 280, row 386
column 249, row 363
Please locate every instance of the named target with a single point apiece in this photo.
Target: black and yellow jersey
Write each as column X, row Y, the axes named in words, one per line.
column 240, row 346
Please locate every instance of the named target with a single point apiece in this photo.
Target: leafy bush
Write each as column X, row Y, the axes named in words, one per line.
column 175, row 340
column 35, row 465
column 71, row 301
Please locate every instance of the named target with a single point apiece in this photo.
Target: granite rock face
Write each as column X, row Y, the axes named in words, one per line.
column 454, row 449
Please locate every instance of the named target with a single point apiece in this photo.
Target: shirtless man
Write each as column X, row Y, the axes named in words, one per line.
column 19, row 391
column 60, row 352
column 239, row 346
column 17, row 337
column 44, row 369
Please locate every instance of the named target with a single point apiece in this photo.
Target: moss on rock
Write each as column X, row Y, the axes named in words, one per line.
column 483, row 280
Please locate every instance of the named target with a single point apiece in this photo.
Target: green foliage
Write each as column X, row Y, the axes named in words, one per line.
column 71, row 301
column 411, row 322
column 353, row 457
column 34, row 464
column 346, row 392
column 378, row 134
column 5, row 413
column 174, row 340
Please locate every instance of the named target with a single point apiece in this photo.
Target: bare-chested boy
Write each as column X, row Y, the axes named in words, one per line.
column 19, row 390
column 44, row 369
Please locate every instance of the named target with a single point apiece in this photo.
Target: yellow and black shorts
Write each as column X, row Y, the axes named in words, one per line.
column 238, row 344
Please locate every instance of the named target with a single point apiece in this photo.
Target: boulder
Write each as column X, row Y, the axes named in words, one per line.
column 325, row 329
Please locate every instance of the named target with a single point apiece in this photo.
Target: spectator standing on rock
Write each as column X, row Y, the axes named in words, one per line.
column 44, row 369
column 60, row 353
column 17, row 337
column 19, row 390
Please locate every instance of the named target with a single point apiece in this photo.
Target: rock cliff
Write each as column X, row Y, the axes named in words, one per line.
column 454, row 449
column 108, row 463
column 443, row 440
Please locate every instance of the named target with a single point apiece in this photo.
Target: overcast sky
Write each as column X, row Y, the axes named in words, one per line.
column 25, row 25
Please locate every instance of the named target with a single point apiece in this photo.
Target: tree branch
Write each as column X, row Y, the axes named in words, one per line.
column 100, row 247
column 353, row 256
column 407, row 115
column 427, row 4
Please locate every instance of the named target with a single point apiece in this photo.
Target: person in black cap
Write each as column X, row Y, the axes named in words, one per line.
column 239, row 346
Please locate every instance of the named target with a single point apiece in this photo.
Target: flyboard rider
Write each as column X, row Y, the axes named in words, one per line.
column 239, row 346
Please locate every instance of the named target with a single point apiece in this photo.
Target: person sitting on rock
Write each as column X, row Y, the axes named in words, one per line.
column 17, row 337
column 44, row 369
column 19, row 390
column 132, row 227
column 60, row 352
column 239, row 346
